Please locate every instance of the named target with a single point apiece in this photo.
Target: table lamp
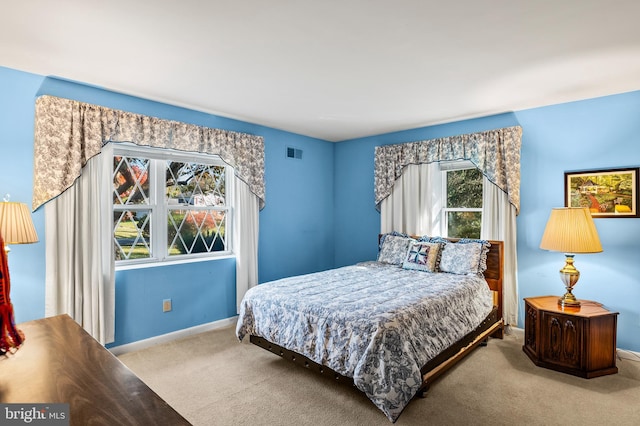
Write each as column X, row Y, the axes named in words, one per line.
column 570, row 230
column 16, row 227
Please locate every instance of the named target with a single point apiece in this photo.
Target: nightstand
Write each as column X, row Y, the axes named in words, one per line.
column 574, row 340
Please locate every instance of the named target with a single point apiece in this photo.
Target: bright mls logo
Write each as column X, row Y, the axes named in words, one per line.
column 34, row 414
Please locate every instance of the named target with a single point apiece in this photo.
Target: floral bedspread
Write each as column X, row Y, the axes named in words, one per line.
column 376, row 323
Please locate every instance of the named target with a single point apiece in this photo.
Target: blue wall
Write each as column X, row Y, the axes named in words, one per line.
column 591, row 134
column 26, row 262
column 296, row 225
column 320, row 210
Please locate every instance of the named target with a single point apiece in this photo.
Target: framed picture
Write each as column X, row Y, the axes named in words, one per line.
column 607, row 193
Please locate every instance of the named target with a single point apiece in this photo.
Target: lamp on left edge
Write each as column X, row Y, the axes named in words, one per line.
column 16, row 227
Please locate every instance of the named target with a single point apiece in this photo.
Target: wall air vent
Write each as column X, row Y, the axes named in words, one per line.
column 294, row 153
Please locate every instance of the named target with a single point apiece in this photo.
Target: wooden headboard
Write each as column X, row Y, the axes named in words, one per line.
column 494, row 274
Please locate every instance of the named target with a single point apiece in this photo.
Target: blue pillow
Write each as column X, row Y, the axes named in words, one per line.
column 466, row 258
column 394, row 249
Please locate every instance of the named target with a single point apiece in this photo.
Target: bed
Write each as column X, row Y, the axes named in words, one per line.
column 391, row 326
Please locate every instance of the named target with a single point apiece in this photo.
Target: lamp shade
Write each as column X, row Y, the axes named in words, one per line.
column 571, row 230
column 16, row 226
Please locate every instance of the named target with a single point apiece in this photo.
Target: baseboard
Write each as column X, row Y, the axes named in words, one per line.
column 179, row 334
column 630, row 355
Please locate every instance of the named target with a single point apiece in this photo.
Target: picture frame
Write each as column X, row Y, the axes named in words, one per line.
column 608, row 193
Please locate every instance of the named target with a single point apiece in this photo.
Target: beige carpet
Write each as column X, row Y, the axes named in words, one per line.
column 212, row 379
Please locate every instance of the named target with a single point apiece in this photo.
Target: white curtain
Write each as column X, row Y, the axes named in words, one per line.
column 499, row 223
column 79, row 261
column 414, row 204
column 245, row 238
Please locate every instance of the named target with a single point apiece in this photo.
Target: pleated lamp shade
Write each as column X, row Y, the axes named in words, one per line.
column 571, row 230
column 16, row 226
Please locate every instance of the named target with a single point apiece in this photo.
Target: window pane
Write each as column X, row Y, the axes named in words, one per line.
column 131, row 234
column 196, row 231
column 464, row 224
column 195, row 184
column 130, row 180
column 464, row 188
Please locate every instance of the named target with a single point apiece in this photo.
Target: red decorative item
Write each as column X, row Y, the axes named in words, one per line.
column 10, row 336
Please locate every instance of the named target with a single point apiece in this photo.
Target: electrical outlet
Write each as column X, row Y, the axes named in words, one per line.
column 166, row 305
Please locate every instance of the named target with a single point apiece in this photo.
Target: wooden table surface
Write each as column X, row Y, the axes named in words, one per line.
column 59, row 362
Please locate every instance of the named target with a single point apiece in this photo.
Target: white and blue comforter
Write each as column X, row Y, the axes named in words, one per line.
column 376, row 323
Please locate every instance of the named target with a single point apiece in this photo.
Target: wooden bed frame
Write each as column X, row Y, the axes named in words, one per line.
column 492, row 326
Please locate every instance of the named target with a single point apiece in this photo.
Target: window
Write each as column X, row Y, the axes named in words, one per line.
column 462, row 212
column 169, row 205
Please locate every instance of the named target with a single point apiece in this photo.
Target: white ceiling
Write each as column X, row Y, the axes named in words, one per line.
column 333, row 69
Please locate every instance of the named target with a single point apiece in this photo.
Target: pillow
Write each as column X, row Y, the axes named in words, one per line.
column 422, row 256
column 485, row 250
column 474, row 240
column 465, row 258
column 394, row 233
column 394, row 249
column 441, row 240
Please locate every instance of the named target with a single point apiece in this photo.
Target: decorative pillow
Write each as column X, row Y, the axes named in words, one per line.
column 486, row 245
column 394, row 249
column 422, row 256
column 465, row 258
column 394, row 233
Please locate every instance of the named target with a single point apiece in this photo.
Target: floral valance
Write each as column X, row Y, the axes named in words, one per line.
column 495, row 152
column 68, row 133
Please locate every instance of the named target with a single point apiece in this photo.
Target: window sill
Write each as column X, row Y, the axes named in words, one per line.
column 157, row 264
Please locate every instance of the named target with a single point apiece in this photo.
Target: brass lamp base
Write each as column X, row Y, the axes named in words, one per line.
column 569, row 300
column 569, row 276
